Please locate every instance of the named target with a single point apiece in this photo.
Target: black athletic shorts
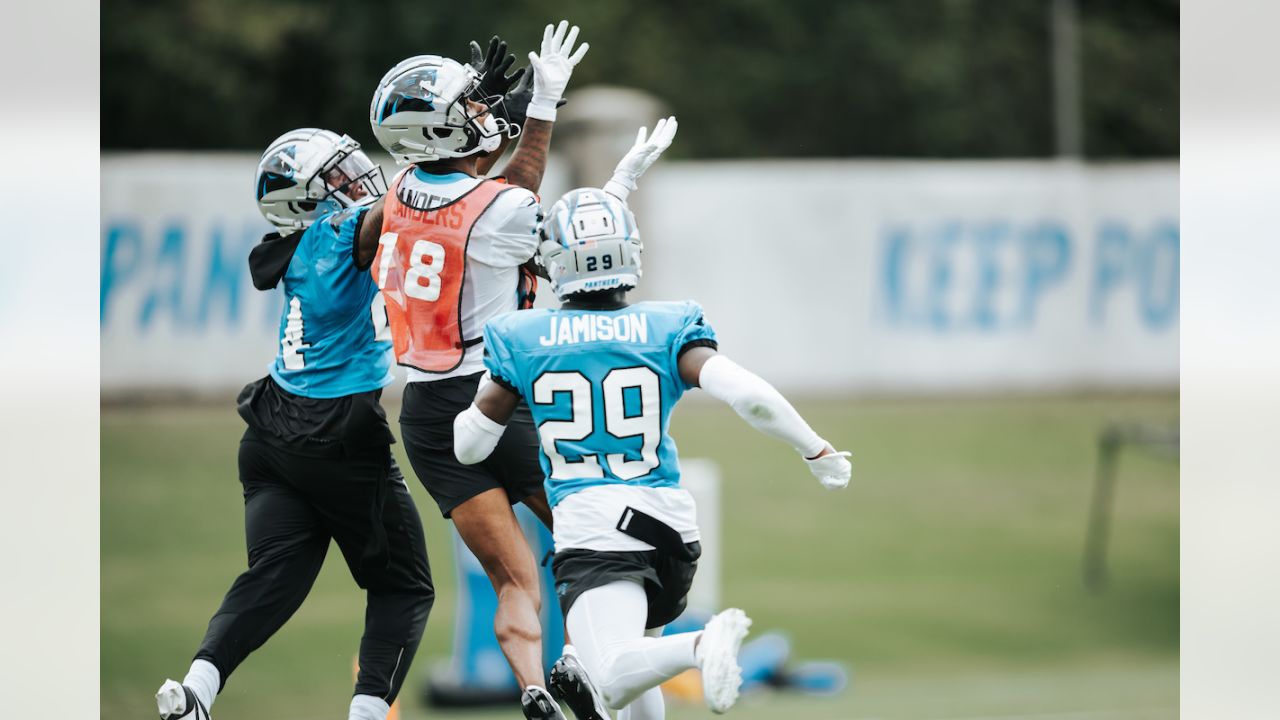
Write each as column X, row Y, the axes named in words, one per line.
column 666, row 579
column 426, row 428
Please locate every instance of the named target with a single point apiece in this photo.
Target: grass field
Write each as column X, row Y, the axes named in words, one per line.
column 948, row 575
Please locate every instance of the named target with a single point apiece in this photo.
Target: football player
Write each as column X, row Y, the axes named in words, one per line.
column 448, row 249
column 601, row 377
column 441, row 223
column 315, row 461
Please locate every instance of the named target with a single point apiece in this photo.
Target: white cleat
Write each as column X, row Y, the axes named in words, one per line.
column 176, row 702
column 717, row 657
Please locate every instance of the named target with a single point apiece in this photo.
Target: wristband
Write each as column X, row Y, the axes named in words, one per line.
column 542, row 108
column 617, row 189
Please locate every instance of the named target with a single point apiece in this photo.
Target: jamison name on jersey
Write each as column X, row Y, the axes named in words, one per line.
column 592, row 328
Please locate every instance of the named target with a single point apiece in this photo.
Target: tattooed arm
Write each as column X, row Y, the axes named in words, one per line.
column 527, row 165
column 550, row 70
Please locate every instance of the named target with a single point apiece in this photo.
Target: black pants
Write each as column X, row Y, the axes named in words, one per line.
column 293, row 505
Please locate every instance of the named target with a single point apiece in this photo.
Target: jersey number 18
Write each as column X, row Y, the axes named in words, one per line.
column 422, row 279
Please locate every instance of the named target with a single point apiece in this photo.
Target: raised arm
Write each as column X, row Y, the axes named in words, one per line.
column 764, row 408
column 543, row 86
column 492, row 64
column 643, row 153
column 529, row 162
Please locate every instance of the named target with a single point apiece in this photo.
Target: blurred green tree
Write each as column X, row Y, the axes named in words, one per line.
column 748, row 78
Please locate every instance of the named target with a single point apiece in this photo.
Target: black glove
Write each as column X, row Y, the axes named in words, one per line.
column 516, row 103
column 492, row 67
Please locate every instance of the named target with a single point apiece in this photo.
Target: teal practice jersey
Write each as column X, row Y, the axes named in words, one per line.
column 601, row 385
column 333, row 329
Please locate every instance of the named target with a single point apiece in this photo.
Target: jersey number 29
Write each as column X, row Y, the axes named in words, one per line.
column 645, row 425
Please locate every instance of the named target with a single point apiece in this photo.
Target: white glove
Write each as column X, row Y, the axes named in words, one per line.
column 832, row 470
column 641, row 155
column 551, row 70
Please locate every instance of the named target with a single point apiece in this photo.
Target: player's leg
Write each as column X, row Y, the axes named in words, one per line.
column 490, row 529
column 515, row 462
column 392, row 568
column 396, row 611
column 650, row 704
column 286, row 549
column 610, row 598
column 479, row 502
column 607, row 624
column 718, row 643
column 480, row 508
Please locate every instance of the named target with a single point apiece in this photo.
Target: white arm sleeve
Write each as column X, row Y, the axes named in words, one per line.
column 474, row 435
column 757, row 402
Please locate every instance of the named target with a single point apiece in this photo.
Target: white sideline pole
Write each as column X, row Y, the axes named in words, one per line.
column 701, row 477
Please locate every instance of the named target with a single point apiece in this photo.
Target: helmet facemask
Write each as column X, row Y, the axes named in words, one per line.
column 308, row 173
column 491, row 121
column 352, row 178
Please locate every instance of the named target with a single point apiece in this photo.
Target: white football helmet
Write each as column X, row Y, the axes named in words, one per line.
column 308, row 173
column 590, row 242
column 420, row 113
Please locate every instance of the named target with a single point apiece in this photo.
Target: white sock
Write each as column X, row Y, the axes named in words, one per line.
column 368, row 707
column 204, row 680
column 607, row 625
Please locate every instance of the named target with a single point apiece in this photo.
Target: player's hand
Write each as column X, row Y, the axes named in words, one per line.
column 515, row 105
column 553, row 66
column 492, row 66
column 831, row 468
column 641, row 155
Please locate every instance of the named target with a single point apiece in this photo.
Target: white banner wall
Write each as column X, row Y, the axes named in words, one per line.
column 178, row 309
column 926, row 276
column 843, row 275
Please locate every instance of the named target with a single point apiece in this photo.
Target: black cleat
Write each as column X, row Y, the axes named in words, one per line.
column 537, row 704
column 570, row 683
